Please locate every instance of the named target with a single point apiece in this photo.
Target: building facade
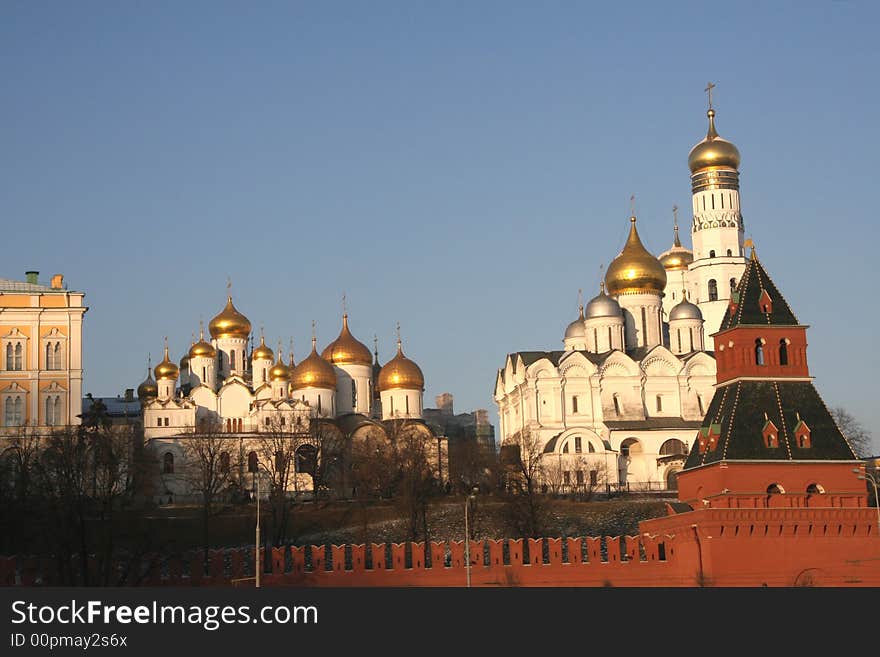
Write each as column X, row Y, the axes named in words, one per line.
column 41, row 369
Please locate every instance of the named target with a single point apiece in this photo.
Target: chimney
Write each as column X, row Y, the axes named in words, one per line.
column 32, row 276
column 57, row 282
column 129, row 394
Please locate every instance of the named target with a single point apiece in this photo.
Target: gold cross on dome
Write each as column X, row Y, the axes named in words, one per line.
column 632, row 205
column 708, row 90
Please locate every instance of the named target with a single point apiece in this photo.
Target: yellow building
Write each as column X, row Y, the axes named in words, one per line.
column 40, row 353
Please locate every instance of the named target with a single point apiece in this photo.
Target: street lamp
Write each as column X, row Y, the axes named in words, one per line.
column 870, row 477
column 467, row 537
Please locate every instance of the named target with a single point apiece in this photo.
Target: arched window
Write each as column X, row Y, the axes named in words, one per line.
column 729, row 252
column 50, row 411
column 252, row 462
column 578, row 445
column 10, row 359
column 50, row 357
column 18, row 419
column 672, row 446
column 759, row 352
column 590, row 448
column 18, row 352
column 712, row 253
column 565, row 448
column 574, row 404
column 231, row 359
column 616, row 404
column 815, row 489
column 659, row 403
column 783, row 352
column 58, row 411
column 775, row 489
column 354, row 395
column 713, row 290
column 168, row 463
column 224, row 462
column 9, row 414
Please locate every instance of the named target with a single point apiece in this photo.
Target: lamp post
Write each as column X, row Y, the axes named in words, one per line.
column 869, row 477
column 467, row 537
column 257, row 539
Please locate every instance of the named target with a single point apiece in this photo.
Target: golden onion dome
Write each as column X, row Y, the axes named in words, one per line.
column 148, row 388
column 346, row 349
column 229, row 323
column 167, row 369
column 279, row 371
column 202, row 349
column 263, row 352
column 635, row 270
column 400, row 373
column 313, row 372
column 713, row 151
column 678, row 257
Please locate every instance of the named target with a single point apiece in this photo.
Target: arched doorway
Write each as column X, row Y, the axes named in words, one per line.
column 672, row 478
column 629, row 461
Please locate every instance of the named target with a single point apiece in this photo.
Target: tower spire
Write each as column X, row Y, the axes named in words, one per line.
column 675, row 241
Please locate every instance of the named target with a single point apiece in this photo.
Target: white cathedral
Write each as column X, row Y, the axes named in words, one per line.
column 219, row 387
column 620, row 404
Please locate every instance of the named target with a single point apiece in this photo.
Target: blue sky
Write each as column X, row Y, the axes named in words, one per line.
column 460, row 167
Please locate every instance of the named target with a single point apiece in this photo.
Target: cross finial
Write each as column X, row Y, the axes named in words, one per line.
column 344, row 305
column 632, row 205
column 580, row 299
column 675, row 216
column 376, row 345
column 708, row 90
column 398, row 334
column 229, row 285
column 201, row 329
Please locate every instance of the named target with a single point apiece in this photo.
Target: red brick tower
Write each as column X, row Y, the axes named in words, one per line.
column 768, row 493
column 767, row 434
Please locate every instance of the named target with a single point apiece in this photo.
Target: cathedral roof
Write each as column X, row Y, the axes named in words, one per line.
column 747, row 304
column 652, row 423
column 741, row 413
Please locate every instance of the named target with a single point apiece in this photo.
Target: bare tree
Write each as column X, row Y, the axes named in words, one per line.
column 416, row 482
column 277, row 449
column 526, row 508
column 590, row 475
column 209, row 471
column 330, row 458
column 856, row 433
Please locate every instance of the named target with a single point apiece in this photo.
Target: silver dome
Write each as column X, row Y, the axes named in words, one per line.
column 576, row 329
column 685, row 310
column 602, row 306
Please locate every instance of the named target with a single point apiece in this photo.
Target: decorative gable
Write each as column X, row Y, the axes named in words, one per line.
column 802, row 433
column 771, row 434
column 765, row 303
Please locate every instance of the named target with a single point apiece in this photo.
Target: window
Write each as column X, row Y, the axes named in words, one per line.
column 224, row 462
column 252, row 461
column 616, row 404
column 204, row 374
column 566, row 478
column 354, row 396
column 53, row 356
column 729, row 252
column 712, row 253
column 759, row 352
column 13, row 412
column 406, row 399
column 783, row 352
column 672, row 446
column 659, row 403
column 565, row 448
column 266, row 422
column 775, row 489
column 168, row 463
column 732, row 285
column 279, row 461
column 713, row 288
column 700, row 405
column 231, row 359
column 590, row 448
column 53, row 411
column 577, row 445
column 815, row 489
column 678, row 334
column 159, row 422
column 579, row 477
column 574, row 404
column 644, row 336
column 14, row 353
column 594, row 477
